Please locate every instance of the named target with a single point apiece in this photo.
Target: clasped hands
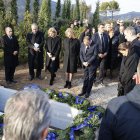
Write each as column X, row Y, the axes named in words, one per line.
column 85, row 64
column 15, row 52
column 102, row 55
column 36, row 47
column 50, row 56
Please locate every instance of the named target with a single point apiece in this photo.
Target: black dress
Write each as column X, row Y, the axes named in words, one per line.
column 71, row 53
column 53, row 46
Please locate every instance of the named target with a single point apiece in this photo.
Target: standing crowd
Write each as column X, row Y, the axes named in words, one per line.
column 111, row 47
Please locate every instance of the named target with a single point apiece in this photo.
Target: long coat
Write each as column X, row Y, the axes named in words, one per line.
column 9, row 46
column 35, row 59
column 113, row 52
column 128, row 68
column 121, row 38
column 71, row 52
column 53, row 46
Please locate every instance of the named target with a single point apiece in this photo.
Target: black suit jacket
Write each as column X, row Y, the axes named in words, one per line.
column 9, row 46
column 97, row 41
column 90, row 56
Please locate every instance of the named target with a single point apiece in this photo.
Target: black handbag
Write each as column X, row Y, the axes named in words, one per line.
column 120, row 90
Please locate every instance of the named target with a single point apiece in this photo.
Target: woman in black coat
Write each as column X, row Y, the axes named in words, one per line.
column 71, row 53
column 53, row 47
column 112, row 57
column 128, row 68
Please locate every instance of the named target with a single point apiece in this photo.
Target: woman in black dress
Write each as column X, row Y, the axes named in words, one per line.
column 71, row 53
column 53, row 47
column 128, row 68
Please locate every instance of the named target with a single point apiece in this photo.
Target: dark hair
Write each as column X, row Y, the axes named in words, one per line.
column 100, row 24
column 124, row 46
column 86, row 28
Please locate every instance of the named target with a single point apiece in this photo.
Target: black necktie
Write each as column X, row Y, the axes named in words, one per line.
column 102, row 40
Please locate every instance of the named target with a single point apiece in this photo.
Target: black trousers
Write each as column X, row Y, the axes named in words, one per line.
column 102, row 69
column 32, row 73
column 9, row 73
column 89, row 78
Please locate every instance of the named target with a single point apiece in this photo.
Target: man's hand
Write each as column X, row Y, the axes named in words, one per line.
column 105, row 54
column 136, row 78
column 15, row 52
column 49, row 54
column 85, row 64
column 53, row 58
column 36, row 49
column 100, row 55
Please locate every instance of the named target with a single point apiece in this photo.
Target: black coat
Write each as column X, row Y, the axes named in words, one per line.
column 121, row 38
column 116, row 29
column 9, row 46
column 128, row 68
column 136, row 45
column 83, row 34
column 35, row 59
column 53, row 46
column 113, row 52
column 122, row 118
column 71, row 52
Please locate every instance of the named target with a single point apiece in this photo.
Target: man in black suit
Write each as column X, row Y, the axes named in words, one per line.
column 35, row 41
column 121, row 35
column 102, row 41
column 88, row 56
column 11, row 49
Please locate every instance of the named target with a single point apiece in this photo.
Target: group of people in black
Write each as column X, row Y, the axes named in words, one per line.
column 104, row 49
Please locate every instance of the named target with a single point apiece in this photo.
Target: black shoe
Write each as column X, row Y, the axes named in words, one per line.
column 54, row 75
column 66, row 85
column 13, row 81
column 87, row 95
column 81, row 94
column 31, row 78
column 8, row 82
column 39, row 77
column 51, row 82
column 69, row 85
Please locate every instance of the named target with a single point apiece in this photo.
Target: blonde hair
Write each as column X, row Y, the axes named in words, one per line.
column 52, row 30
column 86, row 38
column 71, row 31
